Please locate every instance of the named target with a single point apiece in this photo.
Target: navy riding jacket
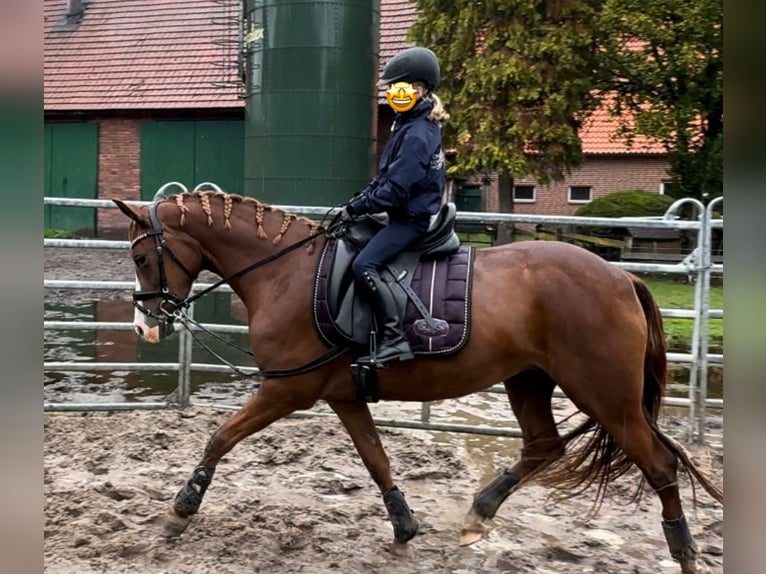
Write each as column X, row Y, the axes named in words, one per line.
column 410, row 179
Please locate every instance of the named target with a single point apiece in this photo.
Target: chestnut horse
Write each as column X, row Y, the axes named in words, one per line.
column 543, row 314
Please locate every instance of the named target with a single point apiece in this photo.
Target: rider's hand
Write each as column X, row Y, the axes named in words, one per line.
column 346, row 215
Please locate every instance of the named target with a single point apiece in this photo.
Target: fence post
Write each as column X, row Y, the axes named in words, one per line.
column 707, row 263
column 425, row 412
column 696, row 267
column 185, row 341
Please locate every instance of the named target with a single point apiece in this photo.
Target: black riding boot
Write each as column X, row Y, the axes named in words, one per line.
column 392, row 344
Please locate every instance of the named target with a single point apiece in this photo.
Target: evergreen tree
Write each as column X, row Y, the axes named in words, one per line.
column 518, row 79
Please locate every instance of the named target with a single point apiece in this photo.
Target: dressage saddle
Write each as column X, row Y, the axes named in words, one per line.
column 336, row 300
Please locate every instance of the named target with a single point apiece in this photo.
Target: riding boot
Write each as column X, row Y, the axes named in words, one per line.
column 392, row 344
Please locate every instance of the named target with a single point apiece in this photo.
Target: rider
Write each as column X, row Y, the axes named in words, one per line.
column 408, row 187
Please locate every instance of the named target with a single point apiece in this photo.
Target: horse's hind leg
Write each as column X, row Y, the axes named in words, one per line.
column 625, row 427
column 266, row 406
column 659, row 464
column 358, row 421
column 530, row 395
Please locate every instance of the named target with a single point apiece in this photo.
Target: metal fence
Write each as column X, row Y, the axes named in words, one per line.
column 697, row 265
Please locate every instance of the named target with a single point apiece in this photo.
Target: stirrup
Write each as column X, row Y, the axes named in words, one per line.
column 373, row 359
column 385, row 361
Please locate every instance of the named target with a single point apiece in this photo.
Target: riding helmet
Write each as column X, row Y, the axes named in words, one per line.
column 413, row 65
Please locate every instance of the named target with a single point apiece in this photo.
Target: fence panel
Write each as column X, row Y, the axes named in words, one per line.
column 699, row 264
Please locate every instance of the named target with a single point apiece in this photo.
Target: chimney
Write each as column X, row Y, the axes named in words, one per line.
column 74, row 10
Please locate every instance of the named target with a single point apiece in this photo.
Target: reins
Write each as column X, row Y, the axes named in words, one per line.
column 260, row 263
column 316, row 363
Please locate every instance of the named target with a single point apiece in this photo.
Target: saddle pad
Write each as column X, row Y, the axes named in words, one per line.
column 444, row 287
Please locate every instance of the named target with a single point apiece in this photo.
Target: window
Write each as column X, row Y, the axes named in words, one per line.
column 524, row 193
column 579, row 193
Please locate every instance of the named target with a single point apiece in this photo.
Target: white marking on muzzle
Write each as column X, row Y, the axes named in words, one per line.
column 140, row 326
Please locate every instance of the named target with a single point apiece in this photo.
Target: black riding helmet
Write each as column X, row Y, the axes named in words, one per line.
column 413, row 65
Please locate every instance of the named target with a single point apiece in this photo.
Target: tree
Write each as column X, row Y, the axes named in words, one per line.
column 663, row 63
column 518, row 79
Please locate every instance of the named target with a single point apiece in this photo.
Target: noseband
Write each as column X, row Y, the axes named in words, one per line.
column 170, row 301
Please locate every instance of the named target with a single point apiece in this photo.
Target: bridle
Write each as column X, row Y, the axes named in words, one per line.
column 171, row 303
column 172, row 306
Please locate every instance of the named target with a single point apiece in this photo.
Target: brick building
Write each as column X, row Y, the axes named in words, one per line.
column 609, row 166
column 143, row 92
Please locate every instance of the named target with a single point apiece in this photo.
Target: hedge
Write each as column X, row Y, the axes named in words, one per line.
column 628, row 203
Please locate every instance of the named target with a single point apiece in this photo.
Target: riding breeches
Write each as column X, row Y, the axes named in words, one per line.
column 387, row 244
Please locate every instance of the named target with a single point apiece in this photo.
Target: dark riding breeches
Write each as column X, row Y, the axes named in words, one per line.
column 387, row 244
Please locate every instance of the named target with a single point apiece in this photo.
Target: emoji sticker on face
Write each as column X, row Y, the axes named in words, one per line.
column 401, row 96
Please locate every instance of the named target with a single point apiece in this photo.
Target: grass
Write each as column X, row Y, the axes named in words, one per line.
column 476, row 239
column 57, row 234
column 674, row 294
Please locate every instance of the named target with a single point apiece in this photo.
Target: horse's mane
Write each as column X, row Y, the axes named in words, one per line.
column 229, row 199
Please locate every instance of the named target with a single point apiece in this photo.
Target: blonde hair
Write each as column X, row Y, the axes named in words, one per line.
column 438, row 114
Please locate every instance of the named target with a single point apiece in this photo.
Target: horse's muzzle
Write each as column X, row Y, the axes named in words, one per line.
column 155, row 333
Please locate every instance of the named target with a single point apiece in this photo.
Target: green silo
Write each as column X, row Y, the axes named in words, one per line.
column 311, row 96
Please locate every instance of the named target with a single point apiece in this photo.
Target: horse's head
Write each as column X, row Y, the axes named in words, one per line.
column 167, row 262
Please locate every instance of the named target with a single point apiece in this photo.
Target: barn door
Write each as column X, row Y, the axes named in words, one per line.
column 71, row 170
column 192, row 152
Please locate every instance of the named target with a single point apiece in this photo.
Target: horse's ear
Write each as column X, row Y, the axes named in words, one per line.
column 133, row 214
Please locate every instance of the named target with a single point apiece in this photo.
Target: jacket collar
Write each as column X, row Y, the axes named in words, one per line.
column 422, row 108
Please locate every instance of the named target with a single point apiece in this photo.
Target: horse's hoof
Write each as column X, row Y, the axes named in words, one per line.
column 694, row 567
column 402, row 549
column 473, row 528
column 468, row 537
column 174, row 525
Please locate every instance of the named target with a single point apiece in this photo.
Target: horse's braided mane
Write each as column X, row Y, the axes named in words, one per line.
column 229, row 199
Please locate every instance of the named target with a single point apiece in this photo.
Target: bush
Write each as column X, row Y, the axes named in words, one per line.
column 629, row 203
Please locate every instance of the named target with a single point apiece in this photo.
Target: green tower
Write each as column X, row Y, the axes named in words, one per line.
column 311, row 96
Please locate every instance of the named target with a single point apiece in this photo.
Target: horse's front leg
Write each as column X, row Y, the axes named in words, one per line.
column 358, row 421
column 266, row 406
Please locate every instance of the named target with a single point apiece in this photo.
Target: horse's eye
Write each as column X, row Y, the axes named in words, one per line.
column 140, row 260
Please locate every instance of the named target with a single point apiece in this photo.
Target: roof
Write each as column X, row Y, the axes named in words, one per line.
column 141, row 54
column 164, row 54
column 599, row 135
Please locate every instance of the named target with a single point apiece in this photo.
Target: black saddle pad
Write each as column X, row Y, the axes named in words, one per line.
column 443, row 286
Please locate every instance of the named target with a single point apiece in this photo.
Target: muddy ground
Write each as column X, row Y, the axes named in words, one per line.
column 296, row 498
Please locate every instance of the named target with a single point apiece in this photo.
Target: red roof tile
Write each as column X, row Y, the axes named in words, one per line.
column 141, row 54
column 396, row 17
column 599, row 136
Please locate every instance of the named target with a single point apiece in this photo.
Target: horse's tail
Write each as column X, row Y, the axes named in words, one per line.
column 655, row 367
column 592, row 455
column 655, row 360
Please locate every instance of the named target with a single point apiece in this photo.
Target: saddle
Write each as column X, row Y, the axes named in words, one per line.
column 430, row 282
